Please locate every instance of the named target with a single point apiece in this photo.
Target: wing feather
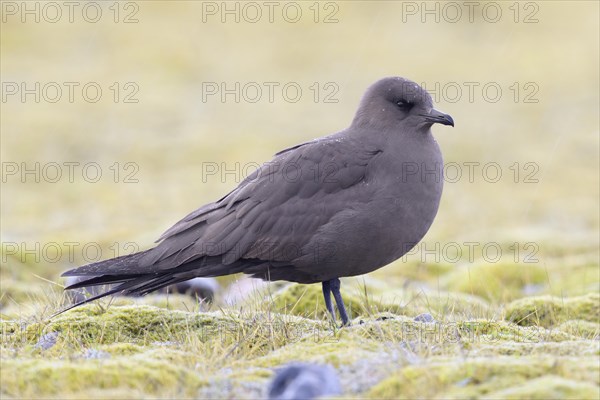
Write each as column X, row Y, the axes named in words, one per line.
column 274, row 212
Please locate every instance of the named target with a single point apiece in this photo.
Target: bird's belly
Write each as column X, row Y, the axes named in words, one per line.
column 368, row 236
column 389, row 232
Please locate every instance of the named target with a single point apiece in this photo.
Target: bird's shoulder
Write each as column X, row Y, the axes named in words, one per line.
column 327, row 164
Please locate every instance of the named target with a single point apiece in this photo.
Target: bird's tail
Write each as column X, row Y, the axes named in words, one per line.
column 132, row 279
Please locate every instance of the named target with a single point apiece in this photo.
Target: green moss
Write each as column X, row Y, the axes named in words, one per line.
column 497, row 282
column 121, row 349
column 251, row 374
column 35, row 378
column 466, row 333
column 559, row 349
column 442, row 305
column 89, row 326
column 549, row 387
column 583, row 329
column 479, row 377
column 494, row 331
column 364, row 302
column 320, row 347
column 140, row 324
column 549, row 311
column 451, row 359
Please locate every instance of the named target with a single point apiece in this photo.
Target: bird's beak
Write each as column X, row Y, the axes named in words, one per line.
column 436, row 117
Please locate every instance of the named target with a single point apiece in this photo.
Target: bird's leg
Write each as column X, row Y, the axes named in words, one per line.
column 327, row 296
column 335, row 289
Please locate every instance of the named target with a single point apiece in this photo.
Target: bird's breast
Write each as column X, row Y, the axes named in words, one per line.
column 383, row 216
column 404, row 195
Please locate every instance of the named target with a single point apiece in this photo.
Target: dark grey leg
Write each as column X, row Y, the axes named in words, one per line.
column 335, row 289
column 327, row 296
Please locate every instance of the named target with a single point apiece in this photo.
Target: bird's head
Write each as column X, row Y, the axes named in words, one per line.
column 397, row 103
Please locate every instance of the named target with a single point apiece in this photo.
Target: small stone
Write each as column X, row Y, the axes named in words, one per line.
column 204, row 289
column 464, row 382
column 95, row 354
column 167, row 343
column 304, row 381
column 47, row 341
column 425, row 317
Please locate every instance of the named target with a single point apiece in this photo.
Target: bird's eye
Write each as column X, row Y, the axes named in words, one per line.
column 404, row 105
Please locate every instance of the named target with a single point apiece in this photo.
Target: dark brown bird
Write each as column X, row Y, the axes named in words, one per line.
column 341, row 205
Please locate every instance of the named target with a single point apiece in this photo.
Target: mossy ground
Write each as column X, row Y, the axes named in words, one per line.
column 523, row 326
column 137, row 350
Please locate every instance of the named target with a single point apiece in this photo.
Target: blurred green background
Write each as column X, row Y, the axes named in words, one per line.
column 549, row 50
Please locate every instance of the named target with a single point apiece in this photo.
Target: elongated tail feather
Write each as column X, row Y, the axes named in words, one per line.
column 132, row 279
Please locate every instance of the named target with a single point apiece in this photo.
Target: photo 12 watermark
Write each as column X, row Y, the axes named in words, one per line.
column 69, row 252
column 252, row 12
column 487, row 92
column 331, row 172
column 65, row 252
column 69, row 92
column 69, row 172
column 468, row 252
column 453, row 12
column 52, row 12
column 269, row 92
